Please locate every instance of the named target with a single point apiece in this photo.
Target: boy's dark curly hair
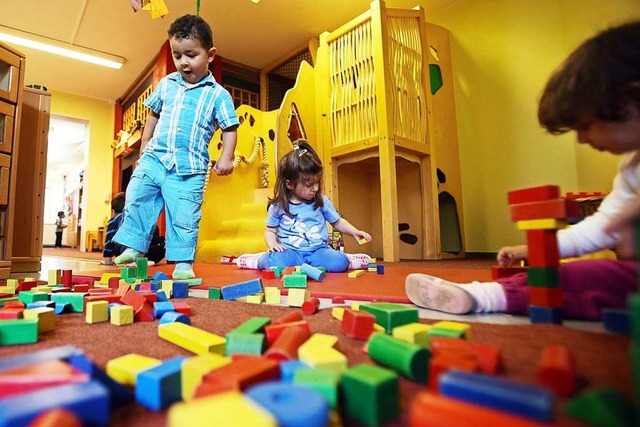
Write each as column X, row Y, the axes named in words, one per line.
column 192, row 27
column 599, row 80
column 117, row 203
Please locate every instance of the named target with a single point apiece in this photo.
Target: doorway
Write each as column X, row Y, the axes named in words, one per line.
column 66, row 160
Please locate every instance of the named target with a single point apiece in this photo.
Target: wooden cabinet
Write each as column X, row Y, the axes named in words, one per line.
column 26, row 253
column 12, row 65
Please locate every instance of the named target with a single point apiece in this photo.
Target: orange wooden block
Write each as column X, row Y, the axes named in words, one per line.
column 272, row 332
column 488, row 358
column 431, row 410
column 357, row 324
column 545, row 297
column 451, row 346
column 91, row 298
column 287, row 345
column 554, row 208
column 556, row 371
column 293, row 316
column 443, row 363
column 533, row 194
column 268, row 274
column 56, row 418
column 245, row 371
column 542, row 247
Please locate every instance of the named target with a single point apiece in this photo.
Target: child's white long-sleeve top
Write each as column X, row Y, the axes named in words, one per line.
column 588, row 236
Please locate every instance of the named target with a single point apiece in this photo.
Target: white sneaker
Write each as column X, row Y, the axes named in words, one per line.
column 435, row 293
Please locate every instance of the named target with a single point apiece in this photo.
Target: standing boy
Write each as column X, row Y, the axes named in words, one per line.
column 186, row 107
column 60, row 226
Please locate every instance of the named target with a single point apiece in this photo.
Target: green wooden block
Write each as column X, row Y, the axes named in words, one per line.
column 409, row 359
column 21, row 331
column 633, row 304
column 3, row 300
column 605, row 407
column 74, row 299
column 244, row 343
column 193, row 282
column 128, row 273
column 276, row 270
column 253, row 325
column 543, row 277
column 142, row 268
column 295, row 281
column 214, row 293
column 445, row 333
column 370, row 394
column 32, row 296
column 390, row 315
column 324, row 382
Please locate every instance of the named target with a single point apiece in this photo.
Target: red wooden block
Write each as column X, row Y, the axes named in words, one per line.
column 100, row 291
column 27, row 286
column 133, row 299
column 542, row 247
column 488, row 358
column 246, row 371
column 357, row 324
column 14, row 304
column 150, row 297
column 114, row 282
column 287, row 345
column 5, row 295
column 533, row 194
column 56, row 418
column 82, row 280
column 292, row 316
column 67, row 278
column 443, row 363
column 62, row 289
column 451, row 346
column 555, row 208
column 81, row 288
column 37, row 376
column 273, row 331
column 337, row 300
column 545, row 297
column 556, row 371
column 182, row 307
column 498, row 272
column 311, row 306
column 144, row 314
column 213, row 386
column 108, row 298
column 268, row 274
column 11, row 313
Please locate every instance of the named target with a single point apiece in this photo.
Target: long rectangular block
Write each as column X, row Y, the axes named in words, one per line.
column 545, row 314
column 191, row 338
column 542, row 224
column 559, row 208
column 21, row 331
column 546, row 297
column 542, row 246
column 533, row 194
column 241, row 289
column 160, row 386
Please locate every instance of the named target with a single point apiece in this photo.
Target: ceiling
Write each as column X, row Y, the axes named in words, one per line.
column 252, row 34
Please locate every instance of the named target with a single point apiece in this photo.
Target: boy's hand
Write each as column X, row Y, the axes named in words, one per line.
column 277, row 248
column 512, row 254
column 223, row 166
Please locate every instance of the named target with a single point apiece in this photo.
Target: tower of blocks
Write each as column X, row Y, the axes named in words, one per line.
column 541, row 212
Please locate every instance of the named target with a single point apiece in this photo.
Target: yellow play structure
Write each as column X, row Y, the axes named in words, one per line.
column 378, row 106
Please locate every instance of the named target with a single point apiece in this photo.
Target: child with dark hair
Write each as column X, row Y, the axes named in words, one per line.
column 595, row 92
column 60, row 226
column 297, row 219
column 186, row 108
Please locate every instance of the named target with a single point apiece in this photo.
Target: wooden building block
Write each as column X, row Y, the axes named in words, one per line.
column 97, row 311
column 354, row 274
column 357, row 324
column 121, row 315
column 560, row 208
column 272, row 295
column 313, row 272
column 194, row 368
column 328, row 359
column 191, row 338
column 546, row 297
column 45, row 316
column 542, row 248
column 286, row 346
column 295, row 281
column 74, row 298
column 415, row 333
column 601, row 407
column 245, row 343
column 533, row 194
column 54, row 277
column 296, row 297
column 317, row 342
column 242, row 289
column 542, row 277
column 274, row 330
column 311, row 306
column 244, row 372
column 124, row 369
column 338, row 312
column 389, row 315
column 556, row 370
column 408, row 359
column 464, row 329
column 443, row 363
column 371, row 394
column 541, row 224
column 323, row 382
column 159, row 386
column 545, row 314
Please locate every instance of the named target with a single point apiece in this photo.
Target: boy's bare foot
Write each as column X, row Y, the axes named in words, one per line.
column 435, row 293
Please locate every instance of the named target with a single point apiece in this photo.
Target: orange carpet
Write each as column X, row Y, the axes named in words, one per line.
column 368, row 287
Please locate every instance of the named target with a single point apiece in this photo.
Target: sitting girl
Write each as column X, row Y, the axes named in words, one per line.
column 297, row 219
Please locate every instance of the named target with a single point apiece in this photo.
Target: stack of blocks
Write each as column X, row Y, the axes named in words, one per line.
column 540, row 211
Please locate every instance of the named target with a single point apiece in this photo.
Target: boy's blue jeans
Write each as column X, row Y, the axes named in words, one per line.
column 334, row 261
column 151, row 188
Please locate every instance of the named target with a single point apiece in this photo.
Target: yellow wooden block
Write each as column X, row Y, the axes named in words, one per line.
column 167, row 287
column 272, row 295
column 378, row 328
column 297, row 296
column 362, row 241
column 255, row 299
column 12, row 283
column 415, row 333
column 54, row 277
column 97, row 311
column 229, row 409
column 124, row 369
column 43, row 288
column 317, row 342
column 371, row 261
column 372, row 269
column 121, row 315
column 541, row 224
column 464, row 328
column 328, row 359
column 355, row 306
column 104, row 279
column 194, row 368
column 191, row 338
column 46, row 317
column 337, row 312
column 355, row 274
column 29, row 279
column 7, row 290
column 99, row 285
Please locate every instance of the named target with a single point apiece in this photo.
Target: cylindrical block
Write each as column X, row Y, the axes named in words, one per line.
column 409, row 359
column 310, row 306
column 292, row 316
column 287, row 344
column 313, row 272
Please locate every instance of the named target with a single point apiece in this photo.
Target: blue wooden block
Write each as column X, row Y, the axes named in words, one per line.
column 524, row 400
column 26, row 359
column 38, row 304
column 285, row 401
column 161, row 385
column 616, row 320
column 288, row 369
column 162, row 307
column 159, row 275
column 380, row 269
column 88, row 401
column 242, row 289
column 63, row 307
column 313, row 272
column 545, row 314
column 180, row 290
column 174, row 316
column 162, row 296
column 120, row 394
